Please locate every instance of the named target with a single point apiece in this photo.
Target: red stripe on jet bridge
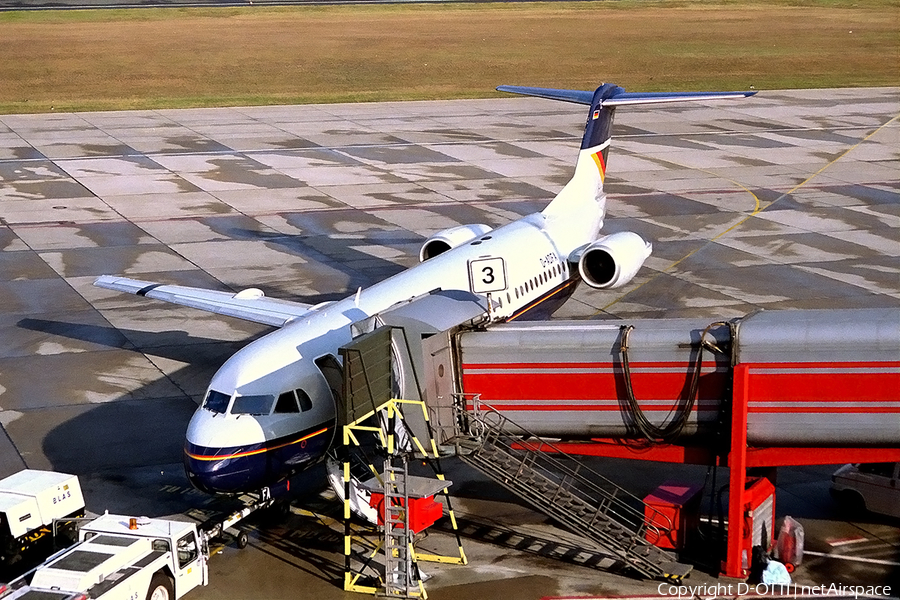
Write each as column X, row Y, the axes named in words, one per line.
column 498, row 368
column 589, row 407
column 495, row 387
column 804, row 385
column 844, row 410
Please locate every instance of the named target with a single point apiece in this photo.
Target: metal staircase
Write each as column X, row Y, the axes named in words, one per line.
column 401, row 577
column 574, row 495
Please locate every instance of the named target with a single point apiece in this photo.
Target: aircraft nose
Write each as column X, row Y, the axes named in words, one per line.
column 224, row 455
column 224, row 470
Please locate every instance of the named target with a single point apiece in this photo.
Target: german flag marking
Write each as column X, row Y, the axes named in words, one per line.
column 601, row 166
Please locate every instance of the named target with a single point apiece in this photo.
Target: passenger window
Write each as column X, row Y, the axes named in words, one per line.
column 287, row 403
column 216, row 401
column 160, row 545
column 252, row 405
column 187, row 550
column 305, row 402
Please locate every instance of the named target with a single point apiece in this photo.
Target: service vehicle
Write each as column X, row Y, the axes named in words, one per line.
column 120, row 557
column 872, row 486
column 36, row 506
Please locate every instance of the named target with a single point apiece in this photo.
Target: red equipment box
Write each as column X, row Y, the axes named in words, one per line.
column 423, row 512
column 673, row 512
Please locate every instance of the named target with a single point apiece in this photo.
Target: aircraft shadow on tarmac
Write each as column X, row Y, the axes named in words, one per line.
column 144, row 427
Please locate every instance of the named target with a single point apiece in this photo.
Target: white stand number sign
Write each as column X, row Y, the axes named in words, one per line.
column 487, row 275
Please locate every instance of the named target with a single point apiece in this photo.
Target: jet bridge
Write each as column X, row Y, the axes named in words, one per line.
column 770, row 389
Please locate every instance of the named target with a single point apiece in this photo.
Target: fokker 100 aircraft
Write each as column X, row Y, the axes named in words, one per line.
column 270, row 409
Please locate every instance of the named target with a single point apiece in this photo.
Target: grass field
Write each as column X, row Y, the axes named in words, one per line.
column 152, row 58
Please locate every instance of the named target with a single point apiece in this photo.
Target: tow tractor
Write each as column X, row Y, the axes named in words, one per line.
column 121, row 557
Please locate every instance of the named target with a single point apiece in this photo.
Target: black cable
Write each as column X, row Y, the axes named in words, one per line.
column 673, row 430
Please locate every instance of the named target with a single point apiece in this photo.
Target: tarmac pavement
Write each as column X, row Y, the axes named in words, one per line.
column 789, row 199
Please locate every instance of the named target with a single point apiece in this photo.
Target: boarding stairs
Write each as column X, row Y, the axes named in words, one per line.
column 400, row 570
column 569, row 492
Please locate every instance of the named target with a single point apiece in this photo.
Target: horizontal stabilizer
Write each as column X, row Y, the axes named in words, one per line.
column 250, row 305
column 619, row 97
column 576, row 96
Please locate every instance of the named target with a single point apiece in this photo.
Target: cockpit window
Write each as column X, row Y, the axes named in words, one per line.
column 287, row 403
column 305, row 402
column 292, row 402
column 216, row 401
column 252, row 405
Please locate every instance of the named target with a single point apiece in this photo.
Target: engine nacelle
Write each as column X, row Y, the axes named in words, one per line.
column 612, row 261
column 450, row 238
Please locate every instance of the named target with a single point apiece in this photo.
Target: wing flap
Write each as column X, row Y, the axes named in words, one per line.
column 250, row 305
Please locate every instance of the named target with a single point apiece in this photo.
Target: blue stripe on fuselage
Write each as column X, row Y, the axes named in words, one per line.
column 241, row 468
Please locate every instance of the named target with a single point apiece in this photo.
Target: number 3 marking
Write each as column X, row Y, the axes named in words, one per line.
column 487, row 274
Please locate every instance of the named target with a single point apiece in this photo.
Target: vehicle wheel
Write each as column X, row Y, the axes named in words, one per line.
column 242, row 540
column 160, row 588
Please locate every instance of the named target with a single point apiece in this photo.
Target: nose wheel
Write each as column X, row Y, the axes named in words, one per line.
column 242, row 540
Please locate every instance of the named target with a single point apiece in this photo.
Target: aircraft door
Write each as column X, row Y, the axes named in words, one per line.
column 439, row 384
column 334, row 376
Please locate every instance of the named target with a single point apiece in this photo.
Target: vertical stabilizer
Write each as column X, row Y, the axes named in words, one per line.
column 576, row 214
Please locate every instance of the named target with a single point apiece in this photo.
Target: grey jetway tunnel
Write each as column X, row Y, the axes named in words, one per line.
column 815, row 378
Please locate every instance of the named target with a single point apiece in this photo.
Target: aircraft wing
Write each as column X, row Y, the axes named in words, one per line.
column 250, row 304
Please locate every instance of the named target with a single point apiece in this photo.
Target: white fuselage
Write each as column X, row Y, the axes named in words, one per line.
column 232, row 448
column 520, row 263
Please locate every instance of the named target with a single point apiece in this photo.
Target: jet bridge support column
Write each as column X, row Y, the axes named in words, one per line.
column 737, row 564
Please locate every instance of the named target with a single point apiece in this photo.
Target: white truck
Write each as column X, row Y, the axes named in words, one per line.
column 33, row 506
column 119, row 557
column 873, row 486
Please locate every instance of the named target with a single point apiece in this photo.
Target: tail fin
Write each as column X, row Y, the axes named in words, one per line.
column 577, row 211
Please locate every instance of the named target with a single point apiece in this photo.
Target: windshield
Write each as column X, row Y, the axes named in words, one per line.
column 253, row 405
column 216, row 401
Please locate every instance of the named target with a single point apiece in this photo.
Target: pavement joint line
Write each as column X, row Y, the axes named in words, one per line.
column 756, row 211
column 405, row 144
column 874, row 561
